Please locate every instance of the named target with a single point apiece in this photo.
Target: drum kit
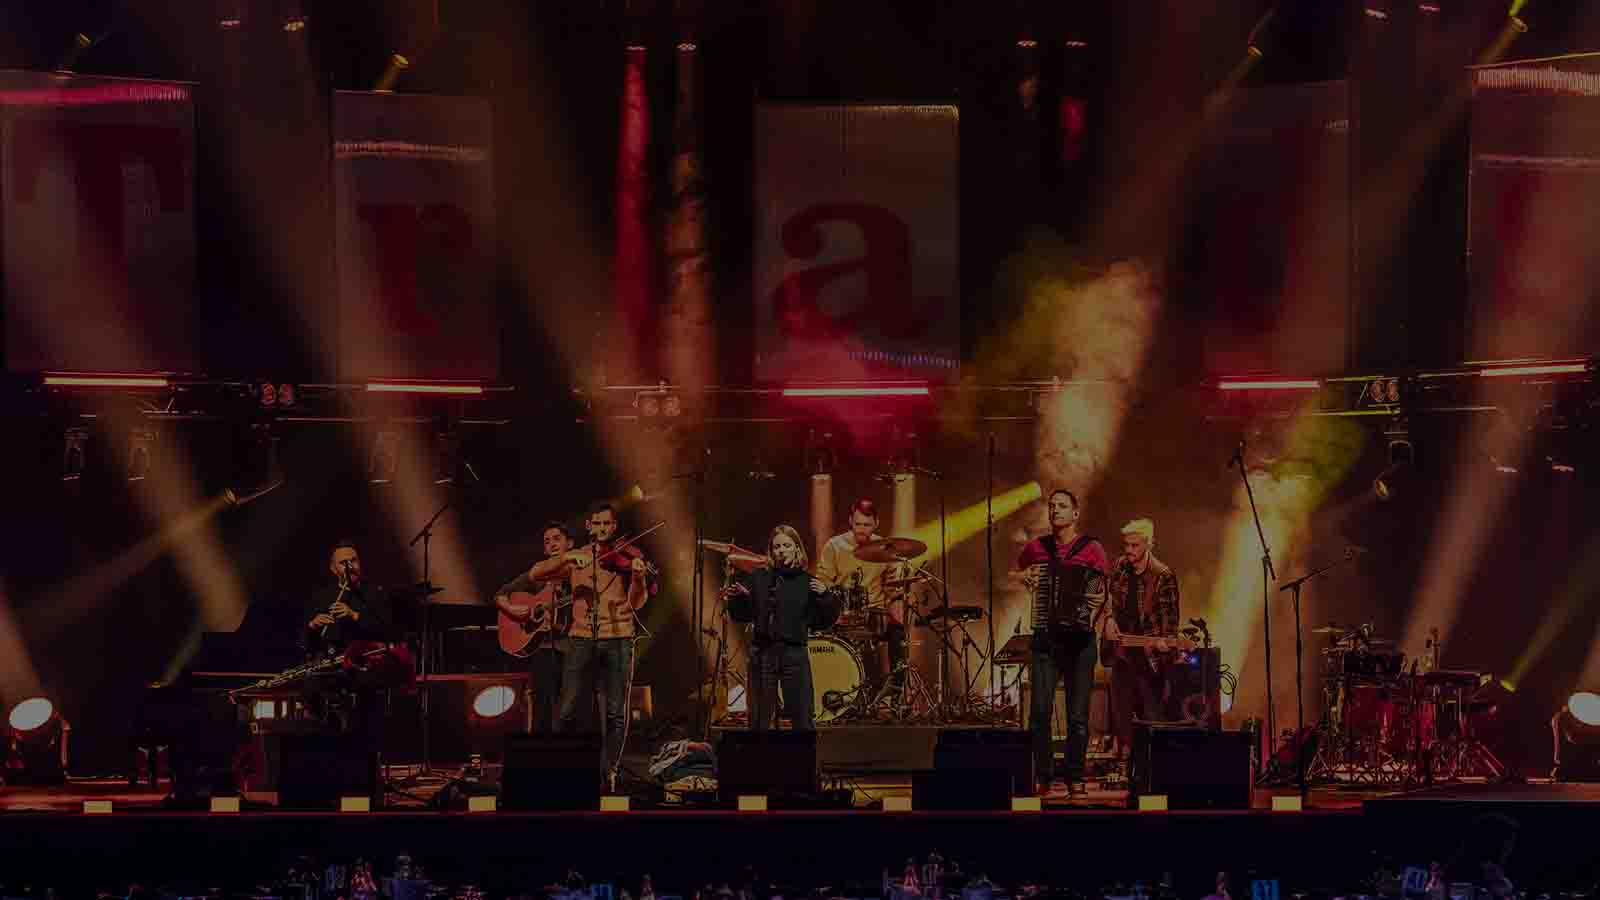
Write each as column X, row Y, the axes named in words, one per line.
column 1384, row 724
column 850, row 670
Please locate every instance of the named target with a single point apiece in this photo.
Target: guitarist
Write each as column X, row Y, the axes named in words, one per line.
column 549, row 621
column 1144, row 601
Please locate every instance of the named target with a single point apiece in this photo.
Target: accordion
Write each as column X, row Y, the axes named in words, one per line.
column 1061, row 598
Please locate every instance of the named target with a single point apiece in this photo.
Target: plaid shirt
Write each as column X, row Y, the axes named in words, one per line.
column 1157, row 612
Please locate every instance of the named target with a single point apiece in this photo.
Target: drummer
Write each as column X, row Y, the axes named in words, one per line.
column 838, row 565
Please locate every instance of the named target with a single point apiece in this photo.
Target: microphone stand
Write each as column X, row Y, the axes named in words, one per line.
column 1299, row 685
column 988, row 550
column 426, row 537
column 1268, row 576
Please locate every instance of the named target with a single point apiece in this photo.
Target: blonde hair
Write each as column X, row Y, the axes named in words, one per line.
column 803, row 561
column 1142, row 527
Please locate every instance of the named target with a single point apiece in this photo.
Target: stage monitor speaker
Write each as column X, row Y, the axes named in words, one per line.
column 973, row 753
column 315, row 770
column 552, row 772
column 1196, row 768
column 772, row 763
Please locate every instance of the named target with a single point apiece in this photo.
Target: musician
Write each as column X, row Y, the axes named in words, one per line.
column 349, row 610
column 1064, row 648
column 547, row 657
column 837, row 565
column 782, row 601
column 1143, row 593
column 608, row 587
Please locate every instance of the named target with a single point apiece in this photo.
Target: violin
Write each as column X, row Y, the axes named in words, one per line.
column 620, row 560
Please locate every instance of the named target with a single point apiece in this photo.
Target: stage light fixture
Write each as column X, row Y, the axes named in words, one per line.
column 1575, row 729
column 398, row 63
column 453, row 388
column 74, row 453
column 672, row 405
column 494, row 701
column 88, row 380
column 384, row 463
column 36, row 743
column 853, row 391
column 140, row 449
column 1585, row 707
column 1397, row 477
column 31, row 714
column 648, row 404
column 267, row 393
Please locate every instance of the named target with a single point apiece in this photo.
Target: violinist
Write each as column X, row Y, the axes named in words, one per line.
column 782, row 600
column 609, row 586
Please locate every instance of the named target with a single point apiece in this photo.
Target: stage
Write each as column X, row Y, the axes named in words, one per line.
column 1337, row 840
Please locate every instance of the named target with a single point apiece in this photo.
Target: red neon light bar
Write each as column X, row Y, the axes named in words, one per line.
column 882, row 390
column 1544, row 369
column 1269, row 384
column 456, row 388
column 85, row 380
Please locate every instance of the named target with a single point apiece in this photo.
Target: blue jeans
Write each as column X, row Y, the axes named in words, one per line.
column 610, row 662
column 1055, row 656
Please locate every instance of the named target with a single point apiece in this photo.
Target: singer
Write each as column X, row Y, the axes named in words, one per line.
column 782, row 601
column 1143, row 592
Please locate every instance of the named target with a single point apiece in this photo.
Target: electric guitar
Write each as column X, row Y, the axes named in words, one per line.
column 517, row 637
column 1148, row 641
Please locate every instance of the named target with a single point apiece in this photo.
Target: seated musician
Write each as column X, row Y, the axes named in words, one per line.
column 348, row 610
column 837, row 565
column 1144, row 601
column 1064, row 636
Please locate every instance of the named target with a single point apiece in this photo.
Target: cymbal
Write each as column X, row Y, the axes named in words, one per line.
column 725, row 547
column 896, row 583
column 746, row 562
column 891, row 550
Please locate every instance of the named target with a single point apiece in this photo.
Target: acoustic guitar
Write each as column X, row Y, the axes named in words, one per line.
column 518, row 637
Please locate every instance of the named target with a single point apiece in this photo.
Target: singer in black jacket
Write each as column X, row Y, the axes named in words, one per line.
column 783, row 602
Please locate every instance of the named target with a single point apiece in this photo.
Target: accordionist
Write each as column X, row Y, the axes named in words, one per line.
column 1066, row 572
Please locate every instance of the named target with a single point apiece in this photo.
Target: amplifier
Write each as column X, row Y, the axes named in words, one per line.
column 1196, row 768
column 976, row 768
column 774, row 763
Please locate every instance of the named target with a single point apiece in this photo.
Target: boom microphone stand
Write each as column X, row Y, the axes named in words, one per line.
column 1299, row 686
column 426, row 589
column 1268, row 576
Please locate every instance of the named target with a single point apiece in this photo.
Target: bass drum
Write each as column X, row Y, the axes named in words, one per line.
column 835, row 673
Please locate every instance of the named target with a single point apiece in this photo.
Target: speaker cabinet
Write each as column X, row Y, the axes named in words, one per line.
column 1196, row 688
column 552, row 772
column 978, row 768
column 1196, row 768
column 315, row 770
column 774, row 763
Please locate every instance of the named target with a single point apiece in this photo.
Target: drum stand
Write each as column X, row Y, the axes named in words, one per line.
column 902, row 699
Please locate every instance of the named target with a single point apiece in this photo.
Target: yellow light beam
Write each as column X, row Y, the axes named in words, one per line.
column 969, row 521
